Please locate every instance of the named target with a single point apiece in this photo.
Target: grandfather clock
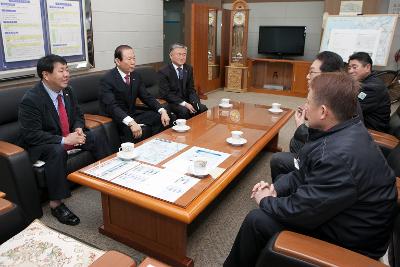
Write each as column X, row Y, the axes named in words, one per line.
column 236, row 72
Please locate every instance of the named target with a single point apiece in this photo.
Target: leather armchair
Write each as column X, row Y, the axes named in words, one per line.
column 387, row 141
column 11, row 219
column 293, row 249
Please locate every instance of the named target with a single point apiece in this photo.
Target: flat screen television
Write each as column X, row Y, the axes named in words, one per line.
column 282, row 40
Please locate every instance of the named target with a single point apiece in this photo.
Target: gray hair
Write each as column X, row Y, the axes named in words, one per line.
column 177, row 45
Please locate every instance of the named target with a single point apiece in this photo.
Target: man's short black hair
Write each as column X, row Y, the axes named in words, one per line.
column 46, row 63
column 331, row 62
column 362, row 57
column 119, row 49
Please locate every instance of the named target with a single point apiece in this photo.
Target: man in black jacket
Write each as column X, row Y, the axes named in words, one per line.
column 177, row 85
column 119, row 89
column 51, row 123
column 284, row 162
column 374, row 96
column 344, row 192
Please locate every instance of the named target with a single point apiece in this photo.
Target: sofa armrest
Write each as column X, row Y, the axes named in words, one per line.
column 8, row 149
column 5, row 205
column 91, row 124
column 383, row 139
column 97, row 118
column 110, row 129
column 18, row 180
column 2, row 194
column 148, row 262
column 139, row 103
column 318, row 252
column 114, row 258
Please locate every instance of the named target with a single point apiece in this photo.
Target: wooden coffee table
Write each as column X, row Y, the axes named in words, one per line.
column 159, row 228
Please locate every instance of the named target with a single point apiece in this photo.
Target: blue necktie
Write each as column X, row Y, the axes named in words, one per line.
column 180, row 73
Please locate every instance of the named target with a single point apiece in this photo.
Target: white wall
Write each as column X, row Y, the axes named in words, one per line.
column 307, row 14
column 136, row 23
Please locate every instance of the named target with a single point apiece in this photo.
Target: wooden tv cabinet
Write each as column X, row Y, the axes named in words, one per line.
column 278, row 76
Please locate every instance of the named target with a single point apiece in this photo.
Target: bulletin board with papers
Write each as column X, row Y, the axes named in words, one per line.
column 373, row 34
column 31, row 29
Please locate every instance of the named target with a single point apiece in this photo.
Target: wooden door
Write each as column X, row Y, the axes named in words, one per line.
column 199, row 42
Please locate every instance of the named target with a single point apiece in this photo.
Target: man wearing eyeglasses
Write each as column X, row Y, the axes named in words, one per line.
column 285, row 162
column 373, row 97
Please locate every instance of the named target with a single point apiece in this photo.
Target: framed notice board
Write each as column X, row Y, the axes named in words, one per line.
column 373, row 34
column 31, row 29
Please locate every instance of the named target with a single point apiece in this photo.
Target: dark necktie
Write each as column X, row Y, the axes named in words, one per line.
column 180, row 73
column 127, row 79
column 62, row 113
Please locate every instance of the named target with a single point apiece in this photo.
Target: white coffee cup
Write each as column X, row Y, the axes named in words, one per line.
column 127, row 147
column 276, row 106
column 200, row 166
column 180, row 122
column 225, row 101
column 236, row 135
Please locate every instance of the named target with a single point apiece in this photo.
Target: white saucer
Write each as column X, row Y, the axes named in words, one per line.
column 226, row 106
column 180, row 129
column 206, row 173
column 234, row 142
column 275, row 111
column 127, row 156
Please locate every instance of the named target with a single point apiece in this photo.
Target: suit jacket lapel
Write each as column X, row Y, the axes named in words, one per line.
column 173, row 74
column 50, row 105
column 185, row 75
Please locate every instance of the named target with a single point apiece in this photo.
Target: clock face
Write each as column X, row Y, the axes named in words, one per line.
column 210, row 19
column 239, row 18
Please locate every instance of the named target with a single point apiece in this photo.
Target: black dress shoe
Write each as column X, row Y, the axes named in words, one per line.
column 64, row 215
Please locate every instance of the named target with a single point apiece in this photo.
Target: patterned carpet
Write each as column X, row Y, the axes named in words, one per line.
column 211, row 235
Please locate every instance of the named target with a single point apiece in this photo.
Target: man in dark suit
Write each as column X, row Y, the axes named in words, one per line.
column 119, row 89
column 52, row 123
column 177, row 85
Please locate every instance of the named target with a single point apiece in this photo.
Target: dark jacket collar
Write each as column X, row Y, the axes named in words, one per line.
column 314, row 134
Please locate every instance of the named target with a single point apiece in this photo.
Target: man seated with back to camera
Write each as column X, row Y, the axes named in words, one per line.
column 343, row 192
column 284, row 162
column 374, row 96
column 119, row 89
column 177, row 85
column 51, row 123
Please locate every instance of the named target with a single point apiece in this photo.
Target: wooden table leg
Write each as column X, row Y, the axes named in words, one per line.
column 153, row 234
column 272, row 146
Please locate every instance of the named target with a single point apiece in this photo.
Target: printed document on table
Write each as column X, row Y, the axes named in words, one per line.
column 156, row 182
column 157, row 150
column 111, row 168
column 183, row 162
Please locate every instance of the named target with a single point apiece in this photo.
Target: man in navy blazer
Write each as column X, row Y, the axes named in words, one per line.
column 51, row 123
column 119, row 89
column 177, row 85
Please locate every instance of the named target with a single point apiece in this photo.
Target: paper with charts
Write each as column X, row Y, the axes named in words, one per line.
column 157, row 150
column 183, row 162
column 160, row 183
